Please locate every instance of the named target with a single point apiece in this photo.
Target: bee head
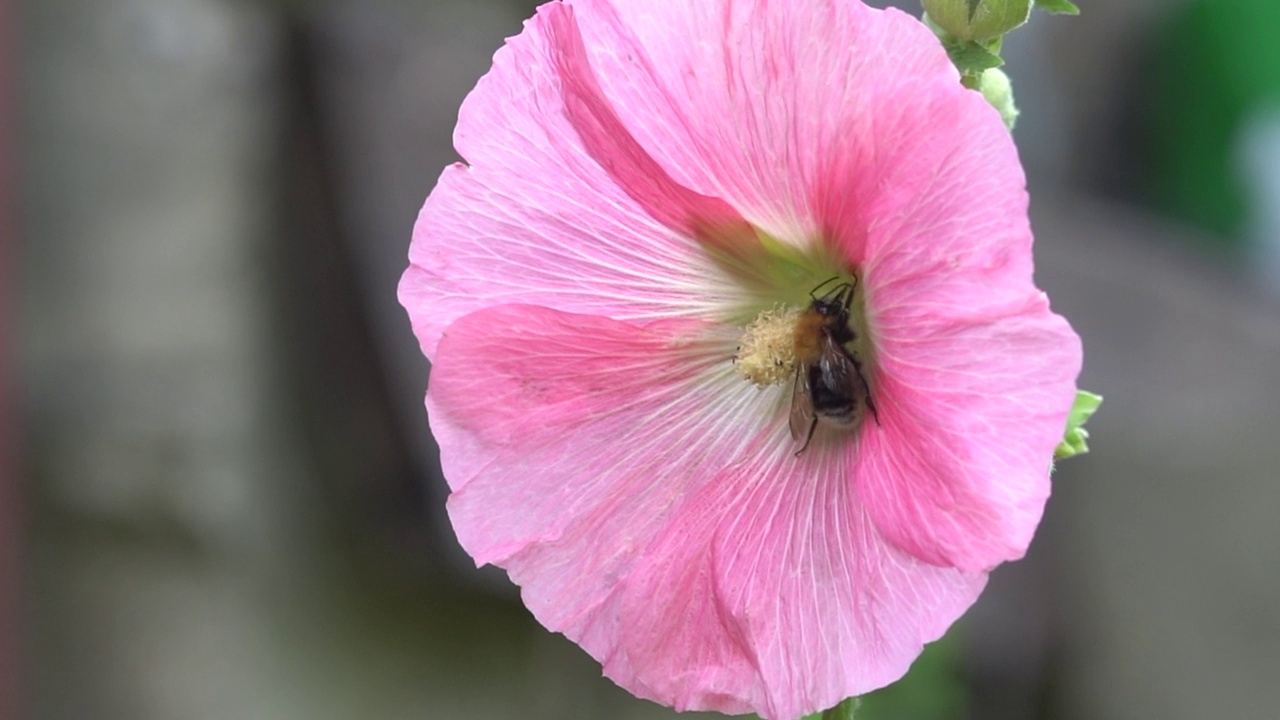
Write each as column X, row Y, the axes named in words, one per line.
column 828, row 308
column 835, row 301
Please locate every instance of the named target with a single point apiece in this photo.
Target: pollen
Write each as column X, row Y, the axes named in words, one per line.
column 766, row 354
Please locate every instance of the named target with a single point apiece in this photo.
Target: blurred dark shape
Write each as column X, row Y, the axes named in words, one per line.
column 11, row 520
column 327, row 355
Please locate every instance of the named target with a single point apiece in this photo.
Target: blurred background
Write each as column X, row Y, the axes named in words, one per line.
column 230, row 502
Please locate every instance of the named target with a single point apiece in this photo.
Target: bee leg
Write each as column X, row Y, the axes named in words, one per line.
column 813, row 425
column 857, row 367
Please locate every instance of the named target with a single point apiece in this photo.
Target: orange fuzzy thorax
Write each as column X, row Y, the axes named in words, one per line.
column 808, row 337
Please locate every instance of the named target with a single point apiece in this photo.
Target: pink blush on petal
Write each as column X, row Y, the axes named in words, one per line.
column 547, row 212
column 772, row 588
column 569, row 439
column 607, row 140
column 971, row 407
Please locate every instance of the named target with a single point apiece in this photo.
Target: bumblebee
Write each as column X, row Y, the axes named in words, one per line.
column 829, row 384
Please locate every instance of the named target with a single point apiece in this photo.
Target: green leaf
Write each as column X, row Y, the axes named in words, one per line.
column 1058, row 7
column 843, row 711
column 1075, row 439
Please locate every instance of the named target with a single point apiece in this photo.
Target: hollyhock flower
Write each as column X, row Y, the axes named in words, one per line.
column 651, row 192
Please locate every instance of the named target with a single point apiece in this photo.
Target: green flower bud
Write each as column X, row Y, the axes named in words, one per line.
column 998, row 91
column 1074, row 439
column 977, row 19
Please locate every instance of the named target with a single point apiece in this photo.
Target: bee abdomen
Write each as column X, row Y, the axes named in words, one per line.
column 843, row 414
column 829, row 402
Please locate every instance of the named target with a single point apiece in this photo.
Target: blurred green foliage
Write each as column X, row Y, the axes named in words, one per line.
column 1215, row 65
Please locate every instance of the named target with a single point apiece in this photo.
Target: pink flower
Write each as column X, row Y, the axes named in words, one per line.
column 644, row 180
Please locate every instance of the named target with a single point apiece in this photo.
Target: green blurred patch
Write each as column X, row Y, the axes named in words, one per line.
column 934, row 689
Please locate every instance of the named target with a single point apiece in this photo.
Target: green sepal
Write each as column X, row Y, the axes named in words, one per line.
column 971, row 57
column 1058, row 7
column 1074, row 441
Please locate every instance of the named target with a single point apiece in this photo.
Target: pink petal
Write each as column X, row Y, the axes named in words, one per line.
column 972, row 394
column 973, row 375
column 559, row 206
column 691, row 553
column 760, row 103
column 606, row 139
column 773, row 588
column 943, row 191
column 545, row 418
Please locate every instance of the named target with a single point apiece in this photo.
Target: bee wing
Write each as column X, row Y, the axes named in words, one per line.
column 839, row 371
column 801, row 405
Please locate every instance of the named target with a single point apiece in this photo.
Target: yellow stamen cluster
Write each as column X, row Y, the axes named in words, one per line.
column 766, row 355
